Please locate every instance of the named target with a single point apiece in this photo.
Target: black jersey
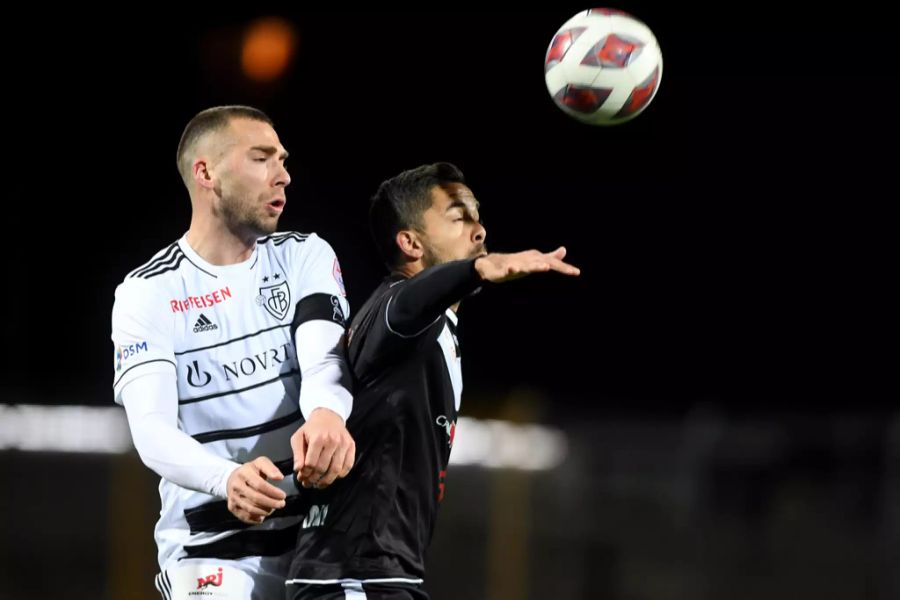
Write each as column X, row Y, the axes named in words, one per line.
column 405, row 358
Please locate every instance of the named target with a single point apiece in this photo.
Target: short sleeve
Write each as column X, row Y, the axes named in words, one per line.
column 319, row 272
column 141, row 334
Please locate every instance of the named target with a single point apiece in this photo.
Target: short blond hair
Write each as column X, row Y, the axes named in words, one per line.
column 208, row 121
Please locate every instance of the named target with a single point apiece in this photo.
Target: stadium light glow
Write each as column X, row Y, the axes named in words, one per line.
column 487, row 443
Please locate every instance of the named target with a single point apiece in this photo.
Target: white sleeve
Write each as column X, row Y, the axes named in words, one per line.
column 319, row 328
column 319, row 272
column 323, row 368
column 141, row 333
column 151, row 403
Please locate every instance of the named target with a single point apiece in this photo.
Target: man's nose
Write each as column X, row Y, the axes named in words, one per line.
column 284, row 178
column 479, row 233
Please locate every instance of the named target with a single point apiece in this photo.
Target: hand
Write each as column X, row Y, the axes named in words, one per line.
column 323, row 449
column 251, row 498
column 504, row 267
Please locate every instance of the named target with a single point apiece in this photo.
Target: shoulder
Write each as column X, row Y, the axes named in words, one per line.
column 141, row 295
column 153, row 278
column 376, row 304
column 301, row 250
column 167, row 260
column 295, row 245
column 289, row 239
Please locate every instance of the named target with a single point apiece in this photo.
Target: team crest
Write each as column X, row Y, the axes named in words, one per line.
column 276, row 299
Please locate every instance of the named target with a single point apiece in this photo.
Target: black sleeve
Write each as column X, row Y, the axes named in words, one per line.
column 425, row 297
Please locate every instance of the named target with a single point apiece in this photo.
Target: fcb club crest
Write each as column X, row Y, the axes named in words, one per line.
column 276, row 299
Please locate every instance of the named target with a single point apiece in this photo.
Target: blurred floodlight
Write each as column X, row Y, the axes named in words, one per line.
column 267, row 49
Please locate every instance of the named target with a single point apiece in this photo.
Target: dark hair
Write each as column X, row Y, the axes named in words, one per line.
column 401, row 201
column 209, row 120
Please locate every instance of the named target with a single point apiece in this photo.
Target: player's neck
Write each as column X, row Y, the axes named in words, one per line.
column 410, row 269
column 219, row 246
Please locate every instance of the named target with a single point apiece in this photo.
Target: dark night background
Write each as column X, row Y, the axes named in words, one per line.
column 728, row 237
column 737, row 239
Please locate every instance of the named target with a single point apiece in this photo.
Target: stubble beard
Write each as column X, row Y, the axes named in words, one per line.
column 242, row 216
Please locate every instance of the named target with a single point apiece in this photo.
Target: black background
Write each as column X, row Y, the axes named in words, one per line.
column 734, row 238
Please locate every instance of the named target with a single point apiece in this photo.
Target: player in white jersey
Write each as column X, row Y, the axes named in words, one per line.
column 212, row 338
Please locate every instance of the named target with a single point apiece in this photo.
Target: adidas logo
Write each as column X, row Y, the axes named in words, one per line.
column 204, row 324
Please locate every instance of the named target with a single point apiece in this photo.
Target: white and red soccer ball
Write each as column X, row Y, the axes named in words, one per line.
column 603, row 67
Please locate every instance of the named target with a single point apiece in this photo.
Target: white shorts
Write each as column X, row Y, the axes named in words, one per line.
column 250, row 578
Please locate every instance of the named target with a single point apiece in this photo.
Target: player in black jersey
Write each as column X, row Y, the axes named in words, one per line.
column 366, row 535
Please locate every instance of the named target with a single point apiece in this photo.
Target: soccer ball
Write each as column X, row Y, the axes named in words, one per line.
column 603, row 67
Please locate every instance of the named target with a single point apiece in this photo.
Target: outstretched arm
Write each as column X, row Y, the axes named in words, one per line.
column 424, row 297
column 427, row 295
column 505, row 267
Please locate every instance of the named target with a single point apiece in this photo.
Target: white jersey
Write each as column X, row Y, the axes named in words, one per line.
column 226, row 332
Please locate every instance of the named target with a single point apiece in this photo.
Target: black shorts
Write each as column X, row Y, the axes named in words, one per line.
column 355, row 591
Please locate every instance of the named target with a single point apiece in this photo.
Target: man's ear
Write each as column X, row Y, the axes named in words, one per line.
column 202, row 176
column 409, row 243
